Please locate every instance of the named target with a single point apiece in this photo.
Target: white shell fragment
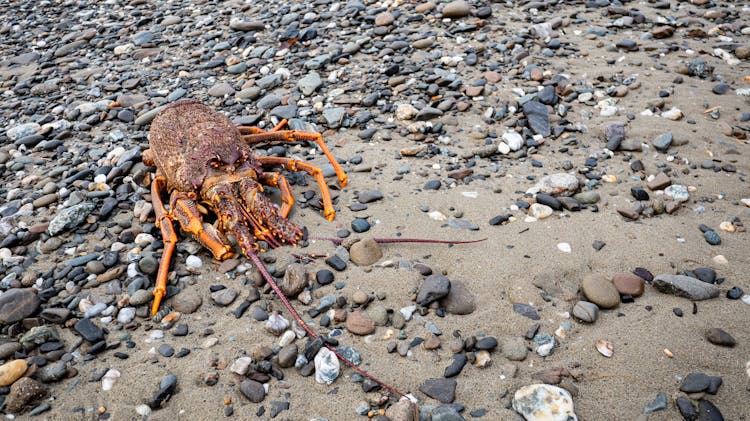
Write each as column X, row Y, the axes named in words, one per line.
column 564, row 247
column 605, row 347
column 326, row 366
column 109, row 379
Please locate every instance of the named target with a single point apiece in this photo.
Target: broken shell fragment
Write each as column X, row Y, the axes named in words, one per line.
column 605, row 348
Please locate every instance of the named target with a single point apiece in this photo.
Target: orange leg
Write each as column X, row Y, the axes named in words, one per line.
column 295, row 165
column 184, row 210
column 169, row 236
column 277, row 180
column 256, row 135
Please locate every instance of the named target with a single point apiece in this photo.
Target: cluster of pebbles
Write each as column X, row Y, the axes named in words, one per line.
column 592, row 107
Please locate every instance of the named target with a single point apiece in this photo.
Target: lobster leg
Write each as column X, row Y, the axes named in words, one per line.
column 255, row 135
column 260, row 208
column 169, row 236
column 277, row 180
column 295, row 165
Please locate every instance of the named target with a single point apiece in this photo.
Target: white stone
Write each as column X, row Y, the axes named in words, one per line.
column 503, row 148
column 326, row 366
column 143, row 239
column 677, row 192
column 22, row 130
column 514, row 140
column 559, row 184
column 540, row 211
column 287, row 338
column 124, row 49
column 193, row 262
column 544, row 402
column 126, row 315
column 109, row 379
column 241, row 365
column 437, row 216
column 746, row 202
column 672, row 114
column 564, row 247
column 406, row 111
column 720, row 259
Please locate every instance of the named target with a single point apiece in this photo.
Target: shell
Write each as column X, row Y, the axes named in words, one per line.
column 12, row 371
column 326, row 366
column 109, row 379
column 605, row 347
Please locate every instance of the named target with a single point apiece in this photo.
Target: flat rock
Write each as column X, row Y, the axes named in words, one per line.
column 443, row 390
column 460, row 300
column 253, row 391
column 600, row 291
column 456, row 9
column 70, row 217
column 17, row 304
column 585, row 311
column 89, row 331
column 685, row 286
column 224, row 297
column 559, row 184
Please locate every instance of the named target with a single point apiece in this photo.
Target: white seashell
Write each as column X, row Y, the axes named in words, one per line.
column 326, row 366
column 605, row 347
column 109, row 379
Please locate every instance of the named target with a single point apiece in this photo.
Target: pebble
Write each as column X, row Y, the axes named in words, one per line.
column 224, row 297
column 544, row 402
column 186, row 302
column 69, row 218
column 685, row 286
column 455, row 9
column 253, row 391
column 23, row 394
column 12, row 371
column 600, row 291
column 359, row 324
column 628, row 284
column 720, row 337
column 657, row 404
column 457, row 364
column 432, row 289
column 442, row 390
column 17, row 304
column 294, row 280
column 326, row 366
column 514, row 349
column 460, row 300
column 585, row 311
column 365, row 252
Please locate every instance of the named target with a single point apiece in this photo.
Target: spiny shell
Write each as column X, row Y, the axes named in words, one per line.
column 605, row 347
column 12, row 371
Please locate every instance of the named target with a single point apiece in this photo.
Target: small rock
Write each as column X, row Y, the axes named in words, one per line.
column 443, row 390
column 326, row 366
column 718, row 337
column 585, row 311
column 12, row 371
column 359, row 324
column 187, row 301
column 456, row 9
column 544, row 402
column 657, row 405
column 459, row 301
column 600, row 291
column 514, row 349
column 253, row 391
column 695, row 382
column 365, row 252
column 17, row 304
column 628, row 284
column 224, row 297
column 294, row 280
column 432, row 289
column 24, row 393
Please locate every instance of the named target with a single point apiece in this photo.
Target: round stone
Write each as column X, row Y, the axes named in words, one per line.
column 359, row 324
column 600, row 291
column 365, row 252
column 585, row 311
column 628, row 284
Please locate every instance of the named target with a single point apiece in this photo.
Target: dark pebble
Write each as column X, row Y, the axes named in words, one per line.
column 685, row 406
column 712, row 238
column 458, row 363
column 89, row 331
column 497, row 220
column 720, row 337
column 707, row 411
column 677, row 311
column 432, row 185
column 526, row 311
column 735, row 293
column 695, row 382
column 551, row 201
column 277, row 407
column 639, row 193
column 360, row 225
column 324, row 277
column 336, row 263
column 443, row 390
column 707, row 275
column 644, row 274
column 180, row 330
column 488, row 343
column 165, row 350
column 720, row 89
column 598, row 245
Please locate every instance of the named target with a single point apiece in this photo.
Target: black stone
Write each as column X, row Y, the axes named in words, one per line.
column 695, row 382
column 443, row 390
column 551, row 201
column 324, row 277
column 644, row 273
column 488, row 343
column 735, row 293
column 685, row 406
column 166, row 350
column 677, row 311
column 707, row 411
column 336, row 263
column 497, row 220
column 432, row 185
column 277, row 407
column 526, row 311
column 360, row 225
column 458, row 363
column 639, row 193
column 707, row 275
column 180, row 330
column 714, row 384
column 89, row 331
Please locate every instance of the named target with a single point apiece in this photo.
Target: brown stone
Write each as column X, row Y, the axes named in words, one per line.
column 17, row 303
column 402, row 410
column 12, row 371
column 365, row 252
column 359, row 324
column 431, row 342
column 294, row 280
column 659, row 182
column 628, row 284
column 24, row 393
